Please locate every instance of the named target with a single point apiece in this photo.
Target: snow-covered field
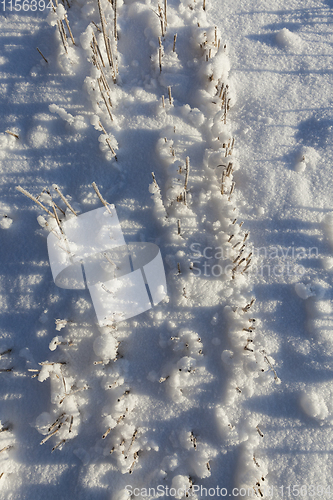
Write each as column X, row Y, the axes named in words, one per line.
column 223, row 388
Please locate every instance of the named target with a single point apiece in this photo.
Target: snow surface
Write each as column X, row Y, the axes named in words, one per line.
column 210, row 387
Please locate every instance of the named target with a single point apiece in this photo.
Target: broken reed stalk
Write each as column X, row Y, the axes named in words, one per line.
column 55, row 187
column 101, row 15
column 26, row 193
column 42, row 55
column 187, row 172
column 204, row 5
column 105, row 203
column 174, row 42
column 13, row 134
column 165, row 14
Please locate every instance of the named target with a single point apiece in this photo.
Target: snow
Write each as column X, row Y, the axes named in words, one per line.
column 216, row 145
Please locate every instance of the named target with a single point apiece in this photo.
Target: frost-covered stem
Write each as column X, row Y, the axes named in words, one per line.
column 170, row 96
column 57, row 445
column 57, row 219
column 160, row 14
column 115, row 70
column 50, row 435
column 107, row 106
column 71, row 424
column 26, row 193
column 165, row 14
column 187, row 172
column 69, row 30
column 101, row 197
column 48, row 192
column 222, row 182
column 174, row 42
column 160, row 58
column 163, row 101
column 42, row 55
column 104, row 31
column 97, row 49
column 55, row 187
column 62, row 35
column 115, row 19
column 231, row 190
column 111, row 148
column 105, row 83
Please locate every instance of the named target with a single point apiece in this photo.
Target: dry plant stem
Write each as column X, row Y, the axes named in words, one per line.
column 62, row 35
column 98, row 50
column 55, row 187
column 160, row 15
column 165, row 14
column 57, row 207
column 26, row 193
column 57, row 219
column 101, row 197
column 57, row 445
column 97, row 27
column 222, row 182
column 13, row 134
column 187, row 172
column 108, row 142
column 42, row 55
column 204, row 5
column 115, row 19
column 174, row 42
column 105, row 83
column 71, row 424
column 154, row 180
column 160, row 58
column 6, row 448
column 56, row 422
column 106, row 433
column 170, row 96
column 163, row 101
column 50, row 435
column 104, row 31
column 115, row 70
column 69, row 30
